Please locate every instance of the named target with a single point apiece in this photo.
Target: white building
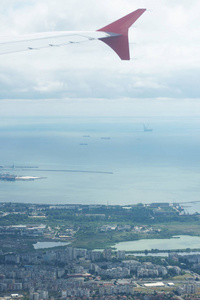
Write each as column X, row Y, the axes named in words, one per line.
column 121, row 254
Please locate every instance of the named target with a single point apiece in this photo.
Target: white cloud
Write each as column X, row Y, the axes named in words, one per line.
column 167, row 51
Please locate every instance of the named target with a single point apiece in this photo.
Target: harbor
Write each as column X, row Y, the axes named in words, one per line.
column 11, row 177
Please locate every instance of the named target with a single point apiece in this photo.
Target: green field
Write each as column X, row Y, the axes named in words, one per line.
column 86, row 222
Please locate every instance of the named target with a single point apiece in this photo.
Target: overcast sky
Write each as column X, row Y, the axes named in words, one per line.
column 89, row 79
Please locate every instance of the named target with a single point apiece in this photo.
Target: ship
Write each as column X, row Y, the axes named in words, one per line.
column 147, row 129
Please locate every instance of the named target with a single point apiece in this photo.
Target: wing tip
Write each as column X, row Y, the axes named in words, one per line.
column 120, row 43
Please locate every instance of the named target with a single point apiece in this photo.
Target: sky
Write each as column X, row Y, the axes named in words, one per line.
column 89, row 79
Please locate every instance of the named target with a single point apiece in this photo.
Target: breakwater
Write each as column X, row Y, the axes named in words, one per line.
column 72, row 171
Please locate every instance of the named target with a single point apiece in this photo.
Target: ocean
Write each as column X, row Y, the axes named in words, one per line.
column 102, row 160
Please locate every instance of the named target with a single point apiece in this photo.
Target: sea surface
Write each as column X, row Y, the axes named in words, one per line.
column 102, row 160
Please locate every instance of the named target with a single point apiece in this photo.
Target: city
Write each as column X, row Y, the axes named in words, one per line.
column 68, row 272
column 100, row 100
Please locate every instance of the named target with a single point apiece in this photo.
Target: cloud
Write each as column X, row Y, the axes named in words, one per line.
column 166, row 52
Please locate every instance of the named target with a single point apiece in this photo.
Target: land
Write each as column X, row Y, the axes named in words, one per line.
column 78, row 270
column 91, row 226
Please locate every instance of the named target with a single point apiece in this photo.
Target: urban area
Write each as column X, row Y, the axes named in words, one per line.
column 32, row 268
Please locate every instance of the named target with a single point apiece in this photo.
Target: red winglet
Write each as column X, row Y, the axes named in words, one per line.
column 120, row 43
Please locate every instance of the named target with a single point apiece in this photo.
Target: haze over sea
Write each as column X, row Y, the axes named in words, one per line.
column 158, row 166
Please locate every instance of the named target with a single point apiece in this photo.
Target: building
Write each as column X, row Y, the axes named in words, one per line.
column 121, row 254
column 107, row 254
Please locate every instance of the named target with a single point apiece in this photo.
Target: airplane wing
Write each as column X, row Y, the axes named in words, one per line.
column 11, row 44
column 115, row 35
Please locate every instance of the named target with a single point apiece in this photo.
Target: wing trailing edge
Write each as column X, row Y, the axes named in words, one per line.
column 119, row 41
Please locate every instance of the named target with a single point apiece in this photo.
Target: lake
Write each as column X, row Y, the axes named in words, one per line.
column 179, row 242
column 164, row 254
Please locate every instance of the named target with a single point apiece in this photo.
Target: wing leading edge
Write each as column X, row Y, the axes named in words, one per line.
column 115, row 35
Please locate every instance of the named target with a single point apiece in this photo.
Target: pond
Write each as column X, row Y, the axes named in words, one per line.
column 44, row 245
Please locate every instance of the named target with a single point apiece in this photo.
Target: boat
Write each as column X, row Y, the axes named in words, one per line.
column 147, row 129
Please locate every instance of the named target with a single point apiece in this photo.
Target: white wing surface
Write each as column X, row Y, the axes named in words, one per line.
column 11, row 44
column 115, row 35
